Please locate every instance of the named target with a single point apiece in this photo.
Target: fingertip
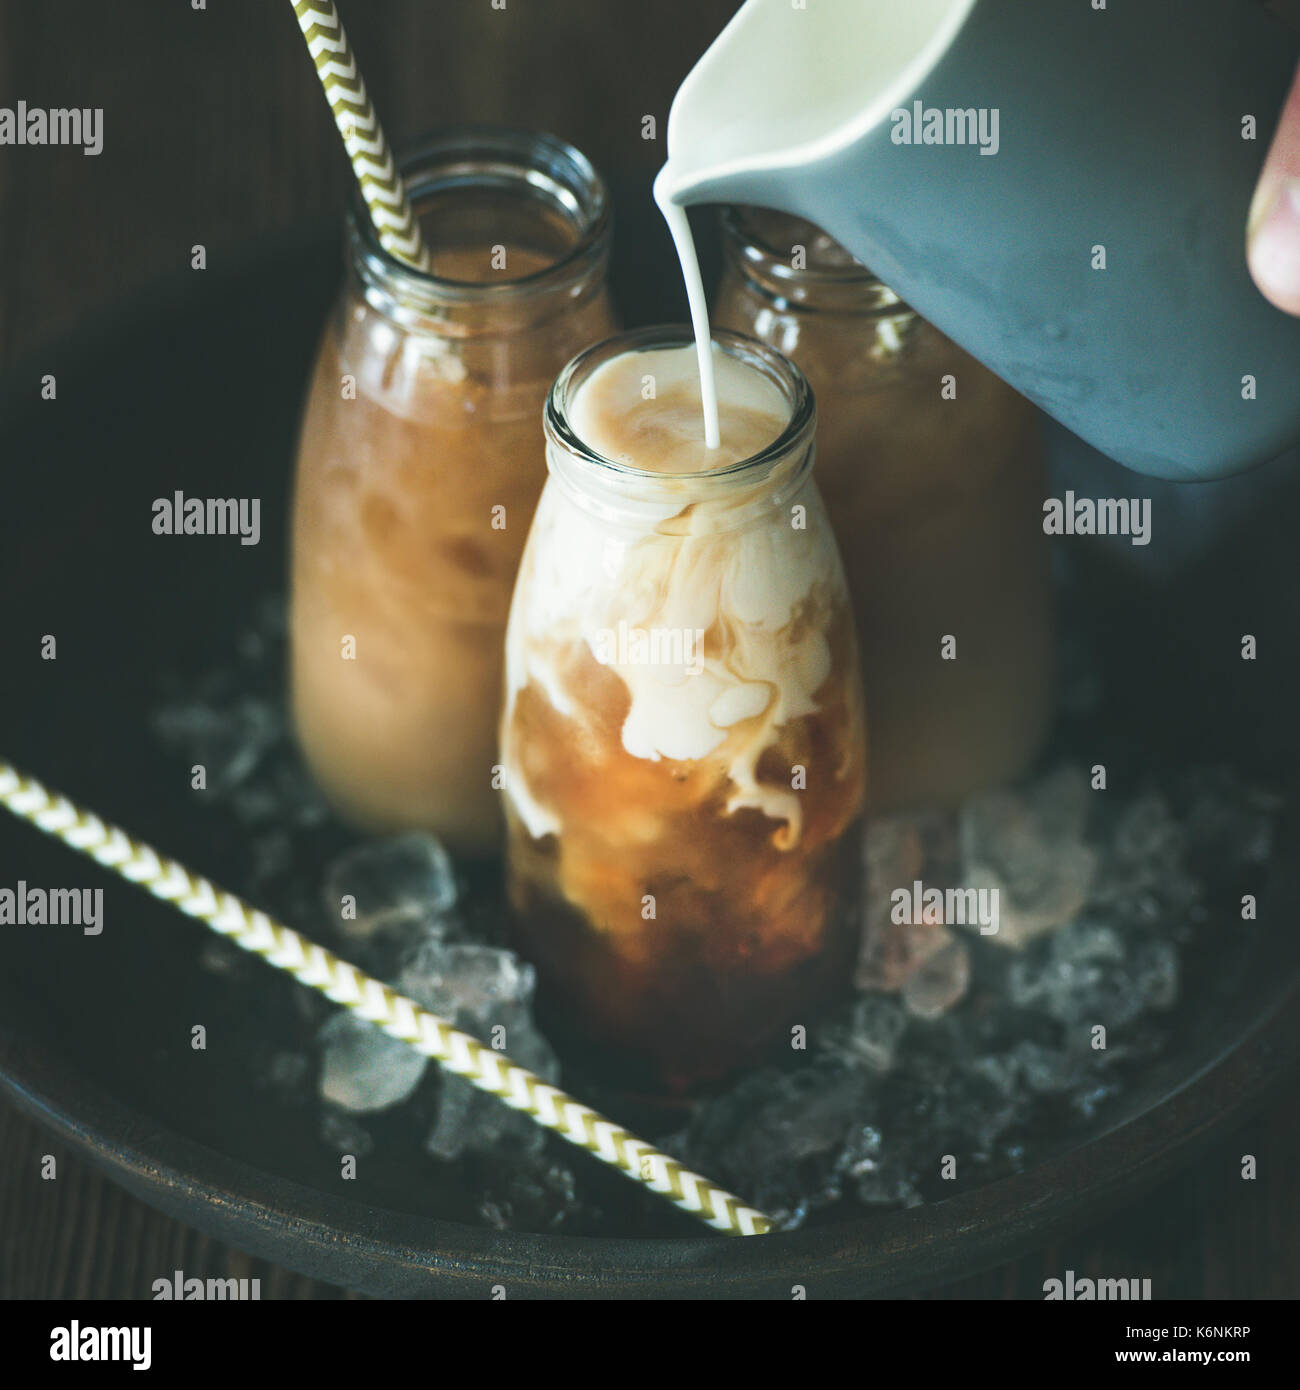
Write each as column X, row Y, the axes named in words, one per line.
column 1273, row 249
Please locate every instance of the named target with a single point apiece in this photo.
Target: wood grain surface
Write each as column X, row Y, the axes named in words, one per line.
column 216, row 133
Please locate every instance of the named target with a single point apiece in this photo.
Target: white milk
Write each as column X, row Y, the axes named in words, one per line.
column 680, row 227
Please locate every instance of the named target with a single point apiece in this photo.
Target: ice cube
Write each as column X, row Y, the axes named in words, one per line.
column 229, row 738
column 987, row 1102
column 1147, row 833
column 892, row 952
column 487, row 993
column 1028, row 846
column 886, row 1181
column 1156, row 974
column 479, row 986
column 940, row 981
column 869, row 1035
column 362, row 1068
column 879, row 1175
column 537, row 1195
column 404, row 878
column 1093, row 974
column 451, row 1130
column 899, row 851
column 1092, row 1096
column 780, row 1138
column 343, row 1134
column 1046, row 1070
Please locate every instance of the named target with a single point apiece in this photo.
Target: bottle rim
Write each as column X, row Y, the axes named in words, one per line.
column 798, row 432
column 532, row 164
column 745, row 238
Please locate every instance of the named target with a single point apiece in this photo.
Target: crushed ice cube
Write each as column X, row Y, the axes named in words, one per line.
column 1096, row 893
column 456, row 1099
column 1090, row 1097
column 542, row 1195
column 987, row 1103
column 900, row 851
column 228, row 740
column 340, row 1132
column 402, row 879
column 362, row 1068
column 1148, row 835
column 480, row 985
column 488, row 993
column 892, row 952
column 781, row 1137
column 886, row 1181
column 870, row 1034
column 940, row 981
column 1048, row 1070
column 1143, row 878
column 1092, row 974
column 1028, row 845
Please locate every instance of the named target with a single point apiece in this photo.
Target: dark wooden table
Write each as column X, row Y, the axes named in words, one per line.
column 216, row 133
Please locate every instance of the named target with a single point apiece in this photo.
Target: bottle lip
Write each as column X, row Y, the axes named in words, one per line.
column 535, row 165
column 746, row 235
column 797, row 433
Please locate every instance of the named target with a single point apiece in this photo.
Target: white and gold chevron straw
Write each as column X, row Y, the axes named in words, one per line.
column 354, row 114
column 397, row 1015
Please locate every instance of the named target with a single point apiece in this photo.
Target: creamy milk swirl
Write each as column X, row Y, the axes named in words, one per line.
column 742, row 573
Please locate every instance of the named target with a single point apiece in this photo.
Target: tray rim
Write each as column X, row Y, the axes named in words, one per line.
column 385, row 1253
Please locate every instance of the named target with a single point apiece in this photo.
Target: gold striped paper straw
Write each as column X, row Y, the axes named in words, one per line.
column 397, row 1015
column 354, row 114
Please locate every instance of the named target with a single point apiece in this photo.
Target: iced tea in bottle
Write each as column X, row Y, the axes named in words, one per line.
column 683, row 735
column 419, row 468
column 932, row 471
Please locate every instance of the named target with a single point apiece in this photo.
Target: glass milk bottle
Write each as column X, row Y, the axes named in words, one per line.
column 683, row 735
column 419, row 468
column 932, row 471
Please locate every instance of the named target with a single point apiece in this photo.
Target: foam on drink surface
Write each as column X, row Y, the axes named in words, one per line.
column 642, row 409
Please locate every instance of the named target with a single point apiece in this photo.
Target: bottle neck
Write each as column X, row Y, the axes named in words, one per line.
column 793, row 265
column 518, row 227
column 748, row 492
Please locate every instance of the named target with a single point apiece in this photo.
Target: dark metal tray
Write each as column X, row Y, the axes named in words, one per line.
column 199, row 388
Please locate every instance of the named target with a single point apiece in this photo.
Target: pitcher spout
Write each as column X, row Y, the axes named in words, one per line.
column 784, row 88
